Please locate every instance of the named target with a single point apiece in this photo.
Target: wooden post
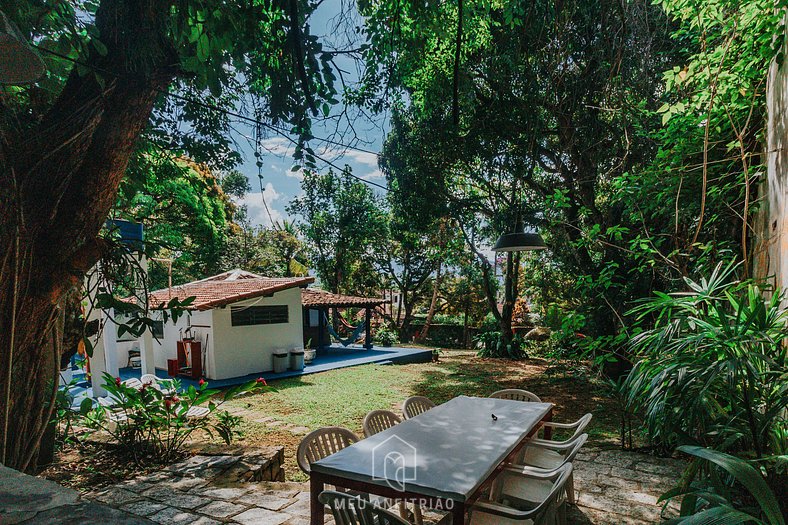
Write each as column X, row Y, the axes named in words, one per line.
column 368, row 338
column 321, row 328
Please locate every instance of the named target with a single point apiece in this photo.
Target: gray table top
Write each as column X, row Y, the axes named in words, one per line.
column 446, row 452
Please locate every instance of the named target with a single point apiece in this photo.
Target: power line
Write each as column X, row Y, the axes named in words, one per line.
column 276, row 130
column 235, row 114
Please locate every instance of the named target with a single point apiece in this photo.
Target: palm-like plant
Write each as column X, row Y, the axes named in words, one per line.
column 713, row 371
column 729, row 491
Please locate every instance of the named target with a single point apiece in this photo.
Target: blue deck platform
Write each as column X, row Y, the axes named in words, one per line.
column 331, row 358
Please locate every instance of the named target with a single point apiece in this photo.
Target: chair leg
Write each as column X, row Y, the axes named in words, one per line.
column 417, row 514
column 562, row 513
column 403, row 510
column 570, row 489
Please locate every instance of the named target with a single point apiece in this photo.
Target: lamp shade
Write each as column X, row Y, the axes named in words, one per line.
column 19, row 63
column 519, row 242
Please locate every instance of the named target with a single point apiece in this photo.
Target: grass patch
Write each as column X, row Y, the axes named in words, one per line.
column 343, row 397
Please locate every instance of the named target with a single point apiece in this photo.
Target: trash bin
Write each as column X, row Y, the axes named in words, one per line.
column 280, row 362
column 297, row 359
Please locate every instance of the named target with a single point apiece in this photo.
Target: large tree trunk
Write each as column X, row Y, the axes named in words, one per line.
column 511, row 282
column 58, row 180
column 433, row 304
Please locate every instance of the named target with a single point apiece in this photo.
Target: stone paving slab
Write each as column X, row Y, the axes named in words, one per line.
column 31, row 500
column 613, row 487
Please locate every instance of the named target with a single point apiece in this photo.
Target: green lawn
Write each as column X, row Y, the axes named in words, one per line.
column 342, row 397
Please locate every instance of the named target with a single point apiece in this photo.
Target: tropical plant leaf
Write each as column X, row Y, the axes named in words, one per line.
column 745, row 474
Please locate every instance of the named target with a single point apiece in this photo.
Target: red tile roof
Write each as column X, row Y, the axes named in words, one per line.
column 312, row 298
column 226, row 288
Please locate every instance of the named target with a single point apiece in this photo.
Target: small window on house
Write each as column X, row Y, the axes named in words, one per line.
column 157, row 329
column 252, row 315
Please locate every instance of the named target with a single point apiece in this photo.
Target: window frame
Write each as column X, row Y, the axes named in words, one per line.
column 259, row 315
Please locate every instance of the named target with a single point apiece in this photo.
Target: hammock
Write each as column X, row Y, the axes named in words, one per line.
column 353, row 337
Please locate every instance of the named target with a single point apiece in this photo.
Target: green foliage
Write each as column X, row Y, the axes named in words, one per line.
column 151, row 426
column 185, row 212
column 342, row 220
column 492, row 344
column 729, row 491
column 272, row 252
column 63, row 416
column 386, row 337
column 713, row 369
column 629, row 134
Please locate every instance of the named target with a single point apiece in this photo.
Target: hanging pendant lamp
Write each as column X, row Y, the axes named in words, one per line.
column 519, row 242
column 19, row 62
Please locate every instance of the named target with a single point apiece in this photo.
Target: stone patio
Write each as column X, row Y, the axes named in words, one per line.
column 614, row 487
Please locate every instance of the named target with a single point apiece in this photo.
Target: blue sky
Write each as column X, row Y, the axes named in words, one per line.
column 281, row 184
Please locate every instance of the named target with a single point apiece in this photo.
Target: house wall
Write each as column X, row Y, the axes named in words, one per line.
column 242, row 350
column 166, row 347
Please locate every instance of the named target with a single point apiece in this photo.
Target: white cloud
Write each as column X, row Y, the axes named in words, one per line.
column 363, row 157
column 298, row 174
column 372, row 175
column 256, row 207
column 279, row 146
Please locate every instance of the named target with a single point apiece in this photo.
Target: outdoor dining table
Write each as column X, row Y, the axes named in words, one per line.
column 444, row 458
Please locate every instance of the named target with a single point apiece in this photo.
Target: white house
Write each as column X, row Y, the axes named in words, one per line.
column 239, row 318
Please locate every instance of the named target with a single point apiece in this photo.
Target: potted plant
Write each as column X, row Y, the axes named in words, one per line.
column 309, row 352
column 436, row 354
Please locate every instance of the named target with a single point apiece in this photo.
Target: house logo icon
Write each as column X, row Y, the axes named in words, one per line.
column 394, row 461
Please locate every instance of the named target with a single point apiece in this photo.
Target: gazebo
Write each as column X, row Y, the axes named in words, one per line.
column 320, row 302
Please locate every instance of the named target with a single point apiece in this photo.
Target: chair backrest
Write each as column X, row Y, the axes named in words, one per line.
column 378, row 421
column 132, row 382
column 540, row 512
column 413, row 406
column 322, row 443
column 516, row 394
column 150, row 380
column 352, row 510
column 581, row 424
column 577, row 444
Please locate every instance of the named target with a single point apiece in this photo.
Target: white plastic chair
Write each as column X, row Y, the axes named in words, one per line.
column 512, row 485
column 413, row 406
column 353, row 510
column 550, row 455
column 197, row 412
column 515, row 394
column 322, row 443
column 489, row 512
column 576, row 428
column 165, row 386
column 378, row 421
column 132, row 382
column 113, row 413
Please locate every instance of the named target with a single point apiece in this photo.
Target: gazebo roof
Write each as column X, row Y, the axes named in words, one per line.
column 314, row 298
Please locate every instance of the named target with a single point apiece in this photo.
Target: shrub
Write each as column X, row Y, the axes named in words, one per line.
column 386, row 337
column 152, row 427
column 491, row 344
column 712, row 370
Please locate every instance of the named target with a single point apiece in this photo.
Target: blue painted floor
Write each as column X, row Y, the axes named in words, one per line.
column 331, row 358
